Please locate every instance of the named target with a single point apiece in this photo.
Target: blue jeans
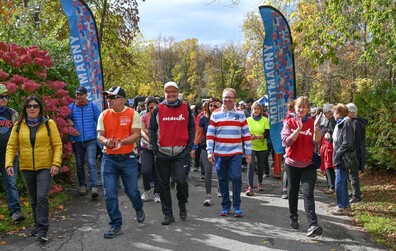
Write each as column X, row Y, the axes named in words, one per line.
column 112, row 168
column 81, row 149
column 11, row 188
column 230, row 167
column 341, row 187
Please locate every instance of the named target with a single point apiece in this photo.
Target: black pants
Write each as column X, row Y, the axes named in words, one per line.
column 308, row 177
column 330, row 177
column 38, row 184
column 148, row 170
column 174, row 168
column 355, row 183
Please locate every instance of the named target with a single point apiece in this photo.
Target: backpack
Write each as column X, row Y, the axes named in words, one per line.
column 46, row 125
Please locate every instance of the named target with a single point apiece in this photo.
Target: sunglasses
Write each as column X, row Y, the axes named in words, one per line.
column 32, row 106
column 113, row 97
column 3, row 96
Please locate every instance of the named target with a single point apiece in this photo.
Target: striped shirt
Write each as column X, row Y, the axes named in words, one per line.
column 227, row 131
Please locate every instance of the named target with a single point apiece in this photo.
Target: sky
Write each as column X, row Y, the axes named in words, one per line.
column 213, row 24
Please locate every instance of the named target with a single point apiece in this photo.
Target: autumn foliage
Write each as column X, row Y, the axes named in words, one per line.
column 24, row 71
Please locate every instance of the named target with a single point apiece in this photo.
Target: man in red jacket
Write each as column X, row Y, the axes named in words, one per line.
column 171, row 135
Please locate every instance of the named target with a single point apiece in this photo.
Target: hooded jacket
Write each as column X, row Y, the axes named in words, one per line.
column 359, row 125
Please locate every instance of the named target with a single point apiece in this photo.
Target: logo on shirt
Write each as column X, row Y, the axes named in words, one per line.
column 124, row 120
column 174, row 118
column 307, row 132
column 5, row 125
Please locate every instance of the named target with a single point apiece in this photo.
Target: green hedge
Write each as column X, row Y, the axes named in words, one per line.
column 377, row 103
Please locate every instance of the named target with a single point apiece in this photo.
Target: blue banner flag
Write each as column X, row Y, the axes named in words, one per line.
column 278, row 61
column 85, row 48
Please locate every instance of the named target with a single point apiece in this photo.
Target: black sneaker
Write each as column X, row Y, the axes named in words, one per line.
column 314, row 231
column 34, row 231
column 113, row 232
column 355, row 200
column 182, row 211
column 17, row 216
column 140, row 216
column 294, row 222
column 42, row 236
column 168, row 219
column 94, row 193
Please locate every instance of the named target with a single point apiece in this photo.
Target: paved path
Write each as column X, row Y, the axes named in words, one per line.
column 265, row 226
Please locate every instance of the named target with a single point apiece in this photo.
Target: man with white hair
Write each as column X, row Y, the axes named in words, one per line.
column 359, row 125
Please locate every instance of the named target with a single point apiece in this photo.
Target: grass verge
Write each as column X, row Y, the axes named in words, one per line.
column 7, row 226
column 377, row 212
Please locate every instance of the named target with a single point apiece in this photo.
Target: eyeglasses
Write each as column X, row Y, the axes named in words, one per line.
column 215, row 106
column 228, row 97
column 32, row 106
column 4, row 96
column 113, row 97
column 171, row 92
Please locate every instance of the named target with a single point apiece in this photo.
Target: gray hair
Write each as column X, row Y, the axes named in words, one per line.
column 352, row 108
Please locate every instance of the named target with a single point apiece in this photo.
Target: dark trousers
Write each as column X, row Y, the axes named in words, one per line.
column 148, row 170
column 174, row 168
column 330, row 177
column 38, row 184
column 355, row 183
column 261, row 164
column 308, row 177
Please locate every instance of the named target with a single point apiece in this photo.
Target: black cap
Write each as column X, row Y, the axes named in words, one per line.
column 115, row 90
column 81, row 90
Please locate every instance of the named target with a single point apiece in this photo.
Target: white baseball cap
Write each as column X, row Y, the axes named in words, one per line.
column 169, row 84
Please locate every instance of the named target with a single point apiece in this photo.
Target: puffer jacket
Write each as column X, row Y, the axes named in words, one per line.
column 85, row 120
column 47, row 151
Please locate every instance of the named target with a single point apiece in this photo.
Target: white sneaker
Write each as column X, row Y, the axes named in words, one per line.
column 145, row 195
column 157, row 198
column 208, row 201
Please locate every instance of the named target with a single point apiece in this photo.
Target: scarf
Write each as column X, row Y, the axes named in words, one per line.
column 257, row 118
column 33, row 121
column 174, row 104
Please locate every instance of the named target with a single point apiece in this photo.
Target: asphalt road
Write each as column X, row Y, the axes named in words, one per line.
column 264, row 226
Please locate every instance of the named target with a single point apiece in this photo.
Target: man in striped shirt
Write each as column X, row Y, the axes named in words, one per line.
column 228, row 133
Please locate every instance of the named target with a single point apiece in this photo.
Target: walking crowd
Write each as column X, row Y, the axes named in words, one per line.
column 169, row 136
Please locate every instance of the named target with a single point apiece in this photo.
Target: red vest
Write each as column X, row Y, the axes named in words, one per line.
column 173, row 125
column 302, row 148
column 119, row 126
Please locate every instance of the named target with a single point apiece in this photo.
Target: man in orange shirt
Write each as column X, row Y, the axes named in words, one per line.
column 118, row 130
